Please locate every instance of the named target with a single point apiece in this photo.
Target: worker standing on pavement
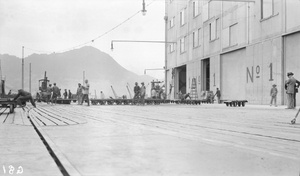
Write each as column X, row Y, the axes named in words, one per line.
column 55, row 93
column 290, row 90
column 273, row 94
column 86, row 89
column 142, row 94
column 79, row 93
column 70, row 94
column 65, row 94
column 136, row 91
column 218, row 93
column 102, row 96
column 49, row 93
column 24, row 96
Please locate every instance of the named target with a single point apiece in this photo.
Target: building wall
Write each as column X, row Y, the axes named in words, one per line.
column 251, row 47
column 263, row 69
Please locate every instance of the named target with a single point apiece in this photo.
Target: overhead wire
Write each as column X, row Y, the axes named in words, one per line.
column 94, row 39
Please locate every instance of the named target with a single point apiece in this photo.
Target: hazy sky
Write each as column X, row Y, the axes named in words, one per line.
column 45, row 26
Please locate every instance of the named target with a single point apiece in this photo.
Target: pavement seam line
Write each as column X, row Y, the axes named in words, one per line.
column 49, row 149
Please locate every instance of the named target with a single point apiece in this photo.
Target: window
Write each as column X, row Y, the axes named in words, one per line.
column 218, row 24
column 182, row 17
column 212, row 31
column 172, row 22
column 267, row 8
column 196, row 38
column 205, row 12
column 199, row 36
column 182, row 45
column 171, row 48
column 233, row 35
column 195, row 8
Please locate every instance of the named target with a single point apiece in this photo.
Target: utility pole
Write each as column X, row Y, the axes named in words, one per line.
column 166, row 49
column 22, row 67
column 30, row 77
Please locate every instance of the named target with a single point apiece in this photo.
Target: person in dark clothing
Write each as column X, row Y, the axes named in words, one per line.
column 55, row 94
column 24, row 96
column 218, row 93
column 187, row 96
column 70, row 94
column 65, row 94
column 136, row 91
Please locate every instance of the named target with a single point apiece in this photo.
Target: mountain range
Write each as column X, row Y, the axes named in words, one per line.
column 67, row 70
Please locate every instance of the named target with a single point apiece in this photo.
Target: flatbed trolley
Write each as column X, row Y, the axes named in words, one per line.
column 8, row 102
column 235, row 103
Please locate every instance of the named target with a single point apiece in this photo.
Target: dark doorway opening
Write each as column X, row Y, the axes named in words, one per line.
column 206, row 74
column 182, row 79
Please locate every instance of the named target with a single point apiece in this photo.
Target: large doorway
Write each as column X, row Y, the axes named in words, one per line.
column 206, row 74
column 180, row 86
column 233, row 77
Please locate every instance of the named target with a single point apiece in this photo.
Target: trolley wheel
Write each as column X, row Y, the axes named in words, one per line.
column 11, row 108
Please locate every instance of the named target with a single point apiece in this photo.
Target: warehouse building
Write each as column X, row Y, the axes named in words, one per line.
column 242, row 47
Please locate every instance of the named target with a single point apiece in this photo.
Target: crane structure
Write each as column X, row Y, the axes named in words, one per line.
column 115, row 94
column 130, row 96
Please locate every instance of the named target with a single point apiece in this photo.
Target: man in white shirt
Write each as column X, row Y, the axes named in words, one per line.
column 86, row 89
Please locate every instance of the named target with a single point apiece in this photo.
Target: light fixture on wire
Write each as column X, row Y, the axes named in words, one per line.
column 144, row 10
column 111, row 46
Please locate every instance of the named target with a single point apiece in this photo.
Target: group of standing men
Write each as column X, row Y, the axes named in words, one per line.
column 83, row 93
column 52, row 93
column 139, row 93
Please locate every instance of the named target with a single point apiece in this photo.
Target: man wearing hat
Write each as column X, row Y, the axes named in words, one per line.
column 290, row 90
column 273, row 95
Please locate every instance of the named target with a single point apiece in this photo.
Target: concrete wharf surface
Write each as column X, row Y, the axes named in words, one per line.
column 166, row 139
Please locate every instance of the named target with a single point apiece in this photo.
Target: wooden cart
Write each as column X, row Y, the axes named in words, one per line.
column 8, row 103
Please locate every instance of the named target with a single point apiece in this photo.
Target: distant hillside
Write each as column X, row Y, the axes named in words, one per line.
column 66, row 69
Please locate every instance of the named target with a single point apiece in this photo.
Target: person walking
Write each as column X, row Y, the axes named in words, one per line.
column 290, row 90
column 142, row 94
column 218, row 93
column 55, row 93
column 24, row 96
column 86, row 89
column 273, row 94
column 79, row 93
